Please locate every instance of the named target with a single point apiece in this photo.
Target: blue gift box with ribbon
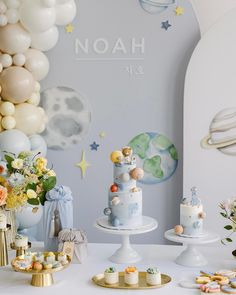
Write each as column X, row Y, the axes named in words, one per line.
column 58, row 215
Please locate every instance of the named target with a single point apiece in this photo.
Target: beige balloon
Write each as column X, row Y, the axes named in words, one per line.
column 28, row 118
column 14, row 39
column 8, row 122
column 17, row 84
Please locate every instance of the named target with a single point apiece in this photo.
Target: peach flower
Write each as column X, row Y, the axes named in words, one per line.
column 3, row 195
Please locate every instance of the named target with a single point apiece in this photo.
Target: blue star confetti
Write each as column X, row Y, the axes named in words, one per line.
column 94, row 146
column 165, row 25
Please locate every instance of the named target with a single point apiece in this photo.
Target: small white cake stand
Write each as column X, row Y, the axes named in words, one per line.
column 191, row 256
column 126, row 254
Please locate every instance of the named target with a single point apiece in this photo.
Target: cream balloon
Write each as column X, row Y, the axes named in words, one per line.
column 3, row 20
column 37, row 87
column 65, row 13
column 17, row 84
column 46, row 40
column 28, row 118
column 6, row 60
column 34, row 99
column 35, row 17
column 37, row 63
column 62, row 1
column 48, row 3
column 8, row 122
column 12, row 3
column 7, row 108
column 1, row 68
column 14, row 141
column 12, row 16
column 14, row 39
column 19, row 59
column 3, row 7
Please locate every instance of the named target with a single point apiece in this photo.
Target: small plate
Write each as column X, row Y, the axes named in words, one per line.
column 99, row 280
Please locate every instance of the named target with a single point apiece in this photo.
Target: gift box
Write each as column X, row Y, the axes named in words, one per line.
column 58, row 214
column 74, row 243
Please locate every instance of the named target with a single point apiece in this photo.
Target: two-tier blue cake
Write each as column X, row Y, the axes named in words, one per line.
column 124, row 197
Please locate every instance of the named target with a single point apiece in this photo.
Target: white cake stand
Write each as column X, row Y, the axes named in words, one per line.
column 126, row 254
column 191, row 256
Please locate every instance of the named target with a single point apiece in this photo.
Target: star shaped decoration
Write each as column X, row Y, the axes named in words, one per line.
column 69, row 28
column 179, row 10
column 94, row 146
column 83, row 164
column 165, row 25
column 102, row 134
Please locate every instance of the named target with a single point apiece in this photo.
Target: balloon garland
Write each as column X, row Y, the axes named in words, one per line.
column 28, row 28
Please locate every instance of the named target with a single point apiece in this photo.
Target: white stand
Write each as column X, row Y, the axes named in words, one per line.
column 126, row 254
column 191, row 256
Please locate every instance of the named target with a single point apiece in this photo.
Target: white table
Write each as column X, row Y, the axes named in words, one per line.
column 77, row 278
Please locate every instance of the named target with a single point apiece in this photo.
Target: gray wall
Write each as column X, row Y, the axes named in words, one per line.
column 123, row 106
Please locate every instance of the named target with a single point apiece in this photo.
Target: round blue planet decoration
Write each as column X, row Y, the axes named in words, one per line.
column 156, row 154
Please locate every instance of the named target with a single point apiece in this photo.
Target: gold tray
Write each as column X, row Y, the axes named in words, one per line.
column 41, row 278
column 99, row 280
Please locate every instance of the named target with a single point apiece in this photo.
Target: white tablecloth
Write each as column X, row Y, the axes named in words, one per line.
column 77, row 278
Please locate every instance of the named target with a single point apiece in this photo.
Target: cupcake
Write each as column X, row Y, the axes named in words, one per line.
column 131, row 275
column 62, row 257
column 21, row 241
column 47, row 265
column 50, row 257
column 212, row 287
column 153, row 276
column 28, row 256
column 111, row 276
column 56, row 264
column 39, row 257
column 37, row 266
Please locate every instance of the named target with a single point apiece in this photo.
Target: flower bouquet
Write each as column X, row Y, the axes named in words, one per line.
column 228, row 212
column 24, row 179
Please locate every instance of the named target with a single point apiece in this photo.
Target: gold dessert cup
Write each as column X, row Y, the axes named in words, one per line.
column 43, row 278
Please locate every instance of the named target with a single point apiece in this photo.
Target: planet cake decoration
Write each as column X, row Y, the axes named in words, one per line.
column 156, row 6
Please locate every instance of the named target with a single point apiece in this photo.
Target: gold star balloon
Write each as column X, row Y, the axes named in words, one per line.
column 179, row 10
column 83, row 164
column 69, row 28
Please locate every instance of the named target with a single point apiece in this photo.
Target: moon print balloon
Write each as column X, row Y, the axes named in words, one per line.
column 69, row 117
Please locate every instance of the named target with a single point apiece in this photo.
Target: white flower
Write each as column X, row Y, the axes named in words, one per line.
column 31, row 194
column 17, row 163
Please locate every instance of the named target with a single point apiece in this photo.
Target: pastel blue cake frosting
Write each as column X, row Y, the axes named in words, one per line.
column 124, row 197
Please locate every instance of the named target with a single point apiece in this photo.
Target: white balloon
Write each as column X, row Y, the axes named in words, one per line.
column 65, row 13
column 6, row 60
column 12, row 16
column 38, row 144
column 62, row 1
column 19, row 59
column 3, row 20
column 28, row 118
column 7, row 108
column 12, row 3
column 34, row 99
column 14, row 141
column 3, row 7
column 37, row 63
column 46, row 40
column 8, row 122
column 41, row 128
column 35, row 17
column 37, row 86
column 48, row 3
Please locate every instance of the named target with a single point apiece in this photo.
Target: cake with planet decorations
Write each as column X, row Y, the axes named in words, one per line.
column 125, row 198
column 191, row 217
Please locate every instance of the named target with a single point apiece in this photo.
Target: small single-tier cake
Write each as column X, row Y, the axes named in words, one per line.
column 50, row 257
column 21, row 241
column 28, row 256
column 153, row 276
column 124, row 197
column 111, row 276
column 131, row 275
column 191, row 216
column 3, row 221
column 39, row 257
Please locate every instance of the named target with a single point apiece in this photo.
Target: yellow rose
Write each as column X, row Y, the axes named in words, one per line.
column 41, row 163
column 17, row 163
column 51, row 173
column 31, row 194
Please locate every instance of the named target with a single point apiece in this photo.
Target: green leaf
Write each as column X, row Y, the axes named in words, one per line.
column 223, row 214
column 9, row 159
column 42, row 198
column 229, row 240
column 49, row 183
column 34, row 201
column 31, row 186
column 228, row 227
